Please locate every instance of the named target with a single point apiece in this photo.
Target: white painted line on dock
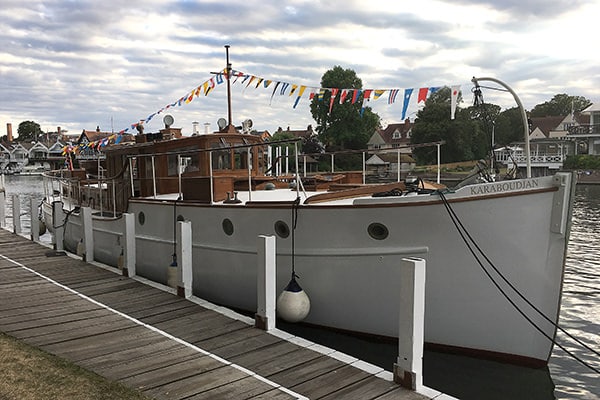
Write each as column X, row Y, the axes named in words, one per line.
column 161, row 332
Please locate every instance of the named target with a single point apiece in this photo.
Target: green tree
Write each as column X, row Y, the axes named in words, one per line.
column 464, row 136
column 560, row 105
column 345, row 127
column 28, row 131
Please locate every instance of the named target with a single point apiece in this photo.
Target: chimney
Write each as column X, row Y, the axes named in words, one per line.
column 195, row 128
column 9, row 132
column 207, row 127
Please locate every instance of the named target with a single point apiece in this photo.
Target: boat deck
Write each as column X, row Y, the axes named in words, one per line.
column 163, row 345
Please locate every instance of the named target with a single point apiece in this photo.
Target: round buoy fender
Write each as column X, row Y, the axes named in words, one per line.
column 293, row 304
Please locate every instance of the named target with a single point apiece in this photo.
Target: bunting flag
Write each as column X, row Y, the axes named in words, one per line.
column 300, row 93
column 453, row 99
column 274, row 90
column 377, row 93
column 422, row 94
column 392, row 96
column 343, row 95
column 407, row 94
column 366, row 98
column 355, row 95
column 334, row 93
column 294, row 87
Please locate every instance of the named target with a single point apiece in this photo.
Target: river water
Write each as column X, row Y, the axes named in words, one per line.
column 465, row 377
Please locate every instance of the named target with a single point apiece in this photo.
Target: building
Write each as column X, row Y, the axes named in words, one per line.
column 587, row 135
column 394, row 136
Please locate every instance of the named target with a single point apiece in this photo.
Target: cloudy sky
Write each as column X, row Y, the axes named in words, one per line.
column 82, row 64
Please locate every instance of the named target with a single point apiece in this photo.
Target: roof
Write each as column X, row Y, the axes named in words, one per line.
column 594, row 107
column 93, row 136
column 403, row 129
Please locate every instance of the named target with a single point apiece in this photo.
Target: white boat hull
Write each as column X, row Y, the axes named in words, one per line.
column 352, row 279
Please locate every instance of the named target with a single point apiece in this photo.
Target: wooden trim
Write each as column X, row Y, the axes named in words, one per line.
column 357, row 191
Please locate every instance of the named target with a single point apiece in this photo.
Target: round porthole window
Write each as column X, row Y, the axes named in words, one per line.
column 282, row 229
column 141, row 218
column 378, row 231
column 227, row 227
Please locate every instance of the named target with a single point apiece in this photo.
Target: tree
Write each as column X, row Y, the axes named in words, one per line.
column 28, row 131
column 464, row 136
column 560, row 105
column 345, row 127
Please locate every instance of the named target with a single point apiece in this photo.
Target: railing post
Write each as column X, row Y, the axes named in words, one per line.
column 88, row 234
column 16, row 214
column 184, row 255
column 266, row 280
column 408, row 369
column 2, row 206
column 35, row 222
column 58, row 225
column 129, row 246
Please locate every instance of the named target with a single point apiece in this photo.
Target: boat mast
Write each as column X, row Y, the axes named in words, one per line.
column 230, row 127
column 523, row 116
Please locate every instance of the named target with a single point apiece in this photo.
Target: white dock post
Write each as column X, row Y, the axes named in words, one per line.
column 184, row 256
column 58, row 222
column 129, row 247
column 266, row 282
column 408, row 369
column 2, row 206
column 88, row 234
column 35, row 222
column 16, row 206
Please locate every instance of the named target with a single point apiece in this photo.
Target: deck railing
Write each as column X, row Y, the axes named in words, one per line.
column 584, row 129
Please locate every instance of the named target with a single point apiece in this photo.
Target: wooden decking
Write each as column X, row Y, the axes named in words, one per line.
column 158, row 343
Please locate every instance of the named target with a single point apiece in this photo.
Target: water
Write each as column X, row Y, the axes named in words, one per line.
column 465, row 377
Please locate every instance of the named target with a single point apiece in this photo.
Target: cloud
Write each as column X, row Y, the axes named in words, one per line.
column 80, row 64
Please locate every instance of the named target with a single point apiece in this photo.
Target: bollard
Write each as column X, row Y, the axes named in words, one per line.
column 129, row 246
column 16, row 214
column 408, row 369
column 35, row 222
column 266, row 282
column 184, row 256
column 88, row 233
column 58, row 223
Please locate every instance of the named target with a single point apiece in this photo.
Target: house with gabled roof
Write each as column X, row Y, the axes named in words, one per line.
column 587, row 135
column 393, row 136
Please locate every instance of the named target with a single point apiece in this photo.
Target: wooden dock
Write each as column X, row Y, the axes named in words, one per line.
column 160, row 344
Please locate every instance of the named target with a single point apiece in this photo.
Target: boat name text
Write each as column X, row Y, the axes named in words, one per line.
column 505, row 187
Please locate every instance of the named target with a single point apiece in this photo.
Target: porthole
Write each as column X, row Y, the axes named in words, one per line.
column 227, row 227
column 378, row 231
column 282, row 229
column 141, row 218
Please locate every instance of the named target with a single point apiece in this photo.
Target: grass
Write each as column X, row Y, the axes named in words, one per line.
column 29, row 373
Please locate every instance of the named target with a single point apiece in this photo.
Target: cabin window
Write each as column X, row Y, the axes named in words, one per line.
column 240, row 159
column 221, row 159
column 172, row 164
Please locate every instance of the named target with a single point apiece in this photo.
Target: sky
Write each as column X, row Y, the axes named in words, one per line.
column 108, row 64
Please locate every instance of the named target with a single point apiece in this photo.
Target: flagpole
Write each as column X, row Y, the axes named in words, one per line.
column 228, row 69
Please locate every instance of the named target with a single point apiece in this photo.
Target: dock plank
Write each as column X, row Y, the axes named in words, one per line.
column 162, row 347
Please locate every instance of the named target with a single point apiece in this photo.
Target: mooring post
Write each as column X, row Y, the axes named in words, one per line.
column 2, row 206
column 16, row 213
column 266, row 281
column 58, row 225
column 35, row 222
column 184, row 256
column 408, row 369
column 129, row 245
column 88, row 234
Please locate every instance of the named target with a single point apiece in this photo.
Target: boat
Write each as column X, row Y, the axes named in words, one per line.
column 494, row 250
